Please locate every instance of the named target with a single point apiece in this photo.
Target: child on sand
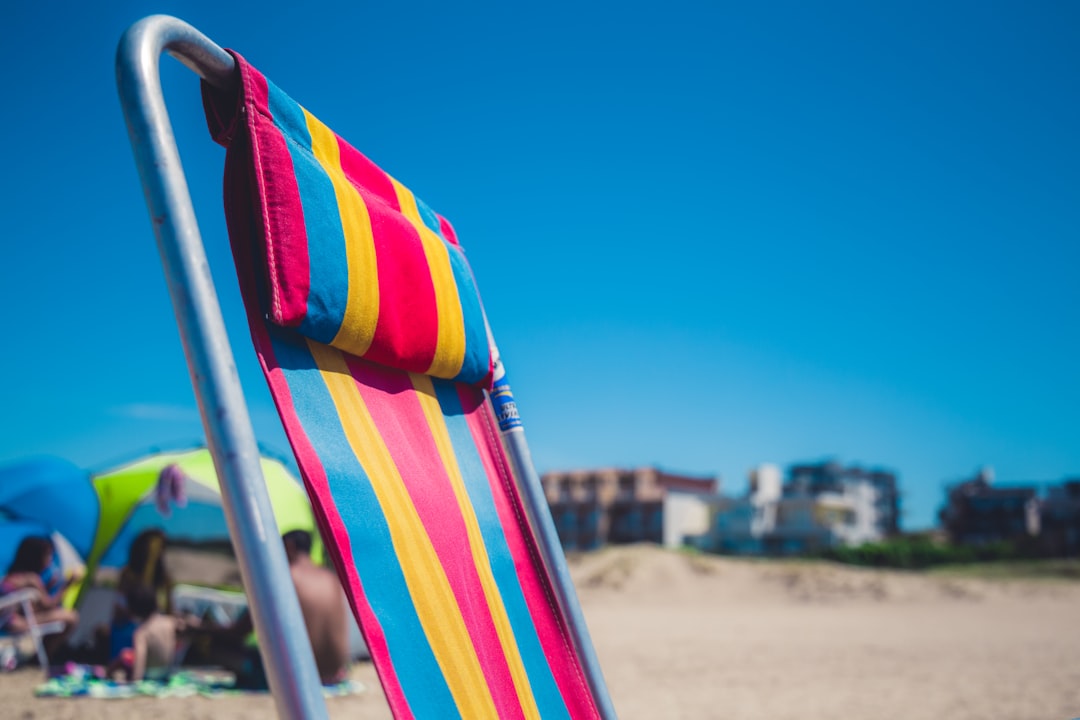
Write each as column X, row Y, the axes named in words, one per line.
column 153, row 643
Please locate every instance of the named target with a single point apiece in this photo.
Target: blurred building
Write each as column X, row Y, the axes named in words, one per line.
column 979, row 512
column 818, row 507
column 1059, row 513
column 833, row 478
column 687, row 515
column 596, row 507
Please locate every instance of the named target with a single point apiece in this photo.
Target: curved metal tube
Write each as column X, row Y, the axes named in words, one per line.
column 283, row 640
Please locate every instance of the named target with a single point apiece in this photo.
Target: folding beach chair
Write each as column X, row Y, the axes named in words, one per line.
column 367, row 323
column 24, row 600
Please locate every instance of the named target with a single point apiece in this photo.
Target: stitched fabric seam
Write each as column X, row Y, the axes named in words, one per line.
column 271, row 258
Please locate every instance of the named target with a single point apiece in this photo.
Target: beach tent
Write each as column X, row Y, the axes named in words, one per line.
column 50, row 495
column 47, row 497
column 127, row 498
column 94, row 518
column 98, row 516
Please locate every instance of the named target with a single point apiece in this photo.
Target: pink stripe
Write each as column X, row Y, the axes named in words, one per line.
column 391, row 399
column 448, row 230
column 287, row 253
column 407, row 331
column 366, row 174
column 410, row 305
column 550, row 628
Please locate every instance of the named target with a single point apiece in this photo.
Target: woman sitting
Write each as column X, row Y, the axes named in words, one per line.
column 32, row 559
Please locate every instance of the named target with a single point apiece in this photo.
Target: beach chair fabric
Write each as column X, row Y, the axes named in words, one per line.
column 370, row 332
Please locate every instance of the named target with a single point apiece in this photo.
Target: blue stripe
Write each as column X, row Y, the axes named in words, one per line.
column 548, row 698
column 376, row 563
column 477, row 352
column 328, row 265
column 429, row 217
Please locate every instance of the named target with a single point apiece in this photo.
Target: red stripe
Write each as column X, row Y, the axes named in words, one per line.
column 331, row 525
column 398, row 253
column 287, row 260
column 448, row 230
column 366, row 174
column 552, row 631
column 407, row 330
column 391, row 399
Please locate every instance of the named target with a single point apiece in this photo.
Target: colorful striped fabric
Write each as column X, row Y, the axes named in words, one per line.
column 409, row 482
column 353, row 259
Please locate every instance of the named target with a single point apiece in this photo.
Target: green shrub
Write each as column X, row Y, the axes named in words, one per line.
column 914, row 553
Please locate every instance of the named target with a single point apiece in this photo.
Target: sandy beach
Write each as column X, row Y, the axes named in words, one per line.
column 683, row 636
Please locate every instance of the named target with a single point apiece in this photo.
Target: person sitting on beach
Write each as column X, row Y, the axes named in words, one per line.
column 145, row 568
column 32, row 558
column 56, row 580
column 322, row 604
column 153, row 643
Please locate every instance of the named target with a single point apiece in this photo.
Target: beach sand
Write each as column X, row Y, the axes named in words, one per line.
column 685, row 636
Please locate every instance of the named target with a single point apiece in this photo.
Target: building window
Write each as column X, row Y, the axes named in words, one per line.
column 564, row 490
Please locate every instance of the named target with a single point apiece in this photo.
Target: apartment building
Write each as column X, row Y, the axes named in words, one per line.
column 979, row 511
column 817, row 507
column 615, row 505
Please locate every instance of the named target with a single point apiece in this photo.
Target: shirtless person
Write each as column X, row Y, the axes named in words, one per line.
column 154, row 641
column 322, row 604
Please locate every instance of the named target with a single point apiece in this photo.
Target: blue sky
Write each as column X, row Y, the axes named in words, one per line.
column 708, row 235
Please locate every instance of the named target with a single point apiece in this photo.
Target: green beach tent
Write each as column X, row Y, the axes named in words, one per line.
column 128, row 504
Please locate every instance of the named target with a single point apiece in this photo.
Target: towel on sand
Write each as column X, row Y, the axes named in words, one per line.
column 83, row 682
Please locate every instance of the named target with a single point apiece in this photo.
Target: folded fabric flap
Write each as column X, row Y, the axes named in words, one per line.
column 351, row 258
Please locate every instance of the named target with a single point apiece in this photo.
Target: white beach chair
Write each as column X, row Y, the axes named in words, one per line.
column 10, row 643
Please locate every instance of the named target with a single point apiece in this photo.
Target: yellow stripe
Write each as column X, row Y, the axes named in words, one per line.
column 450, row 346
column 362, row 300
column 433, row 412
column 428, row 585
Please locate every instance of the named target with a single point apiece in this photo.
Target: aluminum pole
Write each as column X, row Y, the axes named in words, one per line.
column 275, row 610
column 536, row 507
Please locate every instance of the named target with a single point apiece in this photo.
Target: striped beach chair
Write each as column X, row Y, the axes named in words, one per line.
column 369, row 328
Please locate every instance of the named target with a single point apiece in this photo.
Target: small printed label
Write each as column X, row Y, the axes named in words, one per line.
column 506, row 411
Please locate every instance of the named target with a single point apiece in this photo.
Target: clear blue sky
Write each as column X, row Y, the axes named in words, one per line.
column 709, row 235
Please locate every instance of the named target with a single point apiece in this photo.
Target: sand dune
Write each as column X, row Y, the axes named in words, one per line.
column 684, row 636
